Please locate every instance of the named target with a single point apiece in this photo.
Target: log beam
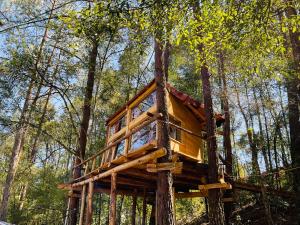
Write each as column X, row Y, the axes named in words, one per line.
column 215, row 186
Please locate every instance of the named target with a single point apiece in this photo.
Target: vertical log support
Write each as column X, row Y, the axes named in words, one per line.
column 82, row 206
column 113, row 200
column 144, row 208
column 165, row 180
column 152, row 220
column 89, row 207
column 133, row 212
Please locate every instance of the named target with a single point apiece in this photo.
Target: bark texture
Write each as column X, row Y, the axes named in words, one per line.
column 293, row 89
column 215, row 205
column 165, row 180
column 16, row 153
column 84, row 125
column 228, row 206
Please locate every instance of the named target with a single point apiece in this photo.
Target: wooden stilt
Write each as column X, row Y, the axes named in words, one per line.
column 133, row 212
column 144, row 208
column 89, row 207
column 81, row 217
column 113, row 195
column 152, row 220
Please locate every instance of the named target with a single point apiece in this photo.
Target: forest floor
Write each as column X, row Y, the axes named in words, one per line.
column 252, row 214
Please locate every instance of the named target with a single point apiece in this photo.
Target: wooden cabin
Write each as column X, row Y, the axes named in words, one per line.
column 187, row 123
column 128, row 164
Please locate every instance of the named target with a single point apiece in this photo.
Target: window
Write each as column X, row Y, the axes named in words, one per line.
column 175, row 133
column 120, row 149
column 143, row 136
column 144, row 105
column 118, row 125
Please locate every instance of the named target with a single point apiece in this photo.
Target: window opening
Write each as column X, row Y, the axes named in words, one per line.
column 175, row 133
column 144, row 105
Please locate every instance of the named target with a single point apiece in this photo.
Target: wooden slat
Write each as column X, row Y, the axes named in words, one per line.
column 197, row 194
column 215, row 186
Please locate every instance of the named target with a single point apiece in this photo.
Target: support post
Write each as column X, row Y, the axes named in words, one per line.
column 152, row 220
column 113, row 195
column 133, row 212
column 82, row 205
column 89, row 207
column 144, row 208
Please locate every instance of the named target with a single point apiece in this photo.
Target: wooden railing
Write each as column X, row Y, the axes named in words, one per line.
column 106, row 156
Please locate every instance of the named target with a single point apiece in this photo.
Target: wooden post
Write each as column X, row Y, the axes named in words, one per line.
column 133, row 212
column 127, row 140
column 89, row 207
column 152, row 220
column 113, row 207
column 81, row 217
column 144, row 208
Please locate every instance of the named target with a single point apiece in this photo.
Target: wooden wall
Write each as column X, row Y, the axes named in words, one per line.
column 190, row 145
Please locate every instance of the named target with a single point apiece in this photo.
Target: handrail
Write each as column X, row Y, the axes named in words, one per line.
column 151, row 118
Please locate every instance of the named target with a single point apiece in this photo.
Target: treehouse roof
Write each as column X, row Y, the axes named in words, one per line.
column 195, row 106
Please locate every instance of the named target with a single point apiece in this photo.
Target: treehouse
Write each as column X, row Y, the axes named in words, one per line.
column 129, row 164
column 186, row 126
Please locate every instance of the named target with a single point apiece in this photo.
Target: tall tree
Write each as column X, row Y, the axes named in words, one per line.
column 165, row 211
column 22, row 126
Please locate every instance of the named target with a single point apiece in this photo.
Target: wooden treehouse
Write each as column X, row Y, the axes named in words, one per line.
column 128, row 164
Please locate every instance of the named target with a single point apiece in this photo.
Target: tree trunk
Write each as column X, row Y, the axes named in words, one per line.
column 16, row 152
column 165, row 180
column 228, row 206
column 86, row 113
column 261, row 133
column 216, row 211
column 22, row 128
column 293, row 90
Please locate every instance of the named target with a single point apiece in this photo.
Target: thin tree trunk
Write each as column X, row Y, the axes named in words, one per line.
column 261, row 133
column 216, row 211
column 293, row 90
column 266, row 128
column 16, row 153
column 165, row 180
column 21, row 129
column 86, row 113
column 228, row 206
